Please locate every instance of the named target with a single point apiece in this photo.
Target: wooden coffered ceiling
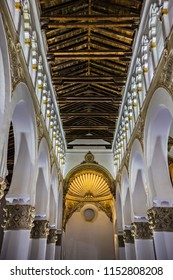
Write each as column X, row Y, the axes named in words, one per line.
column 89, row 48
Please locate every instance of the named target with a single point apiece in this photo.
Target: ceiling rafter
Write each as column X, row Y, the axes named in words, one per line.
column 89, row 52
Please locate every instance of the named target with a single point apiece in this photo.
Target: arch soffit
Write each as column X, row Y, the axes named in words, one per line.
column 136, row 161
column 43, row 160
column 161, row 100
column 54, row 182
column 22, row 94
column 124, row 184
column 24, row 120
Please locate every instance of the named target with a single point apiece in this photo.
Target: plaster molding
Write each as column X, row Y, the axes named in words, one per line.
column 161, row 219
column 18, row 217
column 59, row 239
column 52, row 237
column 127, row 236
column 121, row 241
column 40, row 229
column 141, row 230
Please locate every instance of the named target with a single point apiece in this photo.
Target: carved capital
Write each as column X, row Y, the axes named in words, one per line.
column 3, row 186
column 141, row 230
column 128, row 238
column 40, row 229
column 59, row 237
column 52, row 237
column 161, row 219
column 18, row 217
column 120, row 241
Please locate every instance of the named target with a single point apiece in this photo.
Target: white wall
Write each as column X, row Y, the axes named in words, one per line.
column 89, row 240
column 75, row 157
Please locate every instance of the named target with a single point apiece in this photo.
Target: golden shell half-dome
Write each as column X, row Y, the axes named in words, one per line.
column 89, row 184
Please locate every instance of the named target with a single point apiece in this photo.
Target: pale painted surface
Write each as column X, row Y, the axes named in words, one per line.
column 130, row 251
column 89, row 240
column 144, row 249
column 104, row 158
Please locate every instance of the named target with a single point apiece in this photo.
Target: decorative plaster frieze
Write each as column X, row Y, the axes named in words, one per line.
column 18, row 217
column 40, row 229
column 52, row 237
column 59, row 239
column 121, row 241
column 161, row 219
column 141, row 230
column 128, row 238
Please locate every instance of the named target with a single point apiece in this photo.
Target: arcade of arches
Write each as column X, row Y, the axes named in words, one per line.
column 66, row 194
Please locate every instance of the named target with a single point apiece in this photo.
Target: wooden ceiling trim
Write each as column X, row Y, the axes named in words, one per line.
column 83, row 114
column 112, row 17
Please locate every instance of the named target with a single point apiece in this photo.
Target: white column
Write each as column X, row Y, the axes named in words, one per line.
column 39, row 235
column 58, row 247
column 17, row 225
column 122, row 254
column 129, row 245
column 130, row 251
column 50, row 251
column 51, row 240
column 38, row 249
column 121, row 248
column 161, row 220
column 144, row 246
column 15, row 245
column 163, row 245
column 57, row 252
column 144, row 249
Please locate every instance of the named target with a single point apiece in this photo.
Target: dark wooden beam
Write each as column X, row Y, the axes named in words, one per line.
column 82, row 127
column 88, row 80
column 93, row 25
column 56, row 41
column 86, row 57
column 111, row 17
column 89, row 52
column 60, row 6
column 91, row 114
column 89, row 99
column 107, row 145
column 76, row 136
column 118, row 6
